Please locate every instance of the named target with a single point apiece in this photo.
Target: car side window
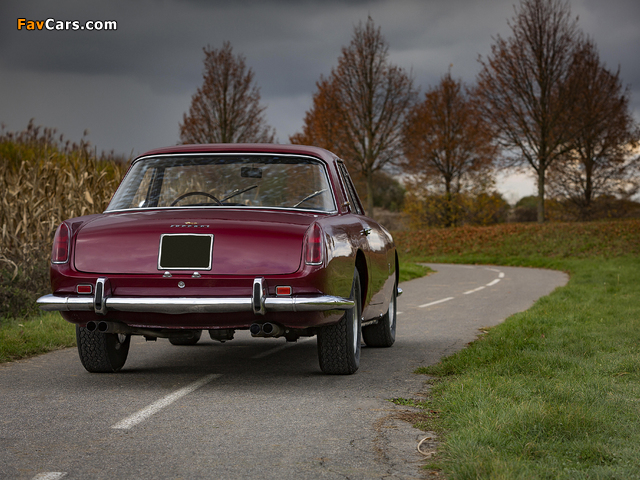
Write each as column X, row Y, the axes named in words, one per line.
column 354, row 201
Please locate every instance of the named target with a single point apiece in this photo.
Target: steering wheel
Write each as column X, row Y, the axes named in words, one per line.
column 189, row 194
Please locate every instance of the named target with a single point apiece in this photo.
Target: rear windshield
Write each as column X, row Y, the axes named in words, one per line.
column 225, row 180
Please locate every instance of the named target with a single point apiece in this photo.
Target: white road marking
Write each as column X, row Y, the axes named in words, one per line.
column 279, row 348
column 155, row 407
column 436, row 302
column 49, row 476
column 490, row 284
column 474, row 290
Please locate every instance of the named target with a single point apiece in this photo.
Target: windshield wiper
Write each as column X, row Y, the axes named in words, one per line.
column 309, row 197
column 237, row 191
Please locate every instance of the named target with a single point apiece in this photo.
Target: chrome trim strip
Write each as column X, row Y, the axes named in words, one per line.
column 182, row 305
column 246, row 207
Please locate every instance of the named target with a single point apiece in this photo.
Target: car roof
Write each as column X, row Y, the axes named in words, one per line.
column 267, row 148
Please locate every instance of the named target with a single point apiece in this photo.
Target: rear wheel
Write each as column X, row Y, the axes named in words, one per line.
column 339, row 344
column 383, row 333
column 102, row 352
column 186, row 340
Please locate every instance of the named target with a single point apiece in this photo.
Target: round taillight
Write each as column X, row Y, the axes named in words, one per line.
column 314, row 246
column 60, row 252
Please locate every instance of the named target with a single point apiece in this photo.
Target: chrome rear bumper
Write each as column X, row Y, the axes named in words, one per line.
column 183, row 305
column 259, row 303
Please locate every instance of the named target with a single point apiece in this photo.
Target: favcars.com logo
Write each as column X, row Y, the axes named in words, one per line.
column 53, row 24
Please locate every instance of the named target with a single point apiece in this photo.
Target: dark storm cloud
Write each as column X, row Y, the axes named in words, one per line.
column 130, row 87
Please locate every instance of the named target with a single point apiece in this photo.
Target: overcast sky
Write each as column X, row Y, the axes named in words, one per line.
column 130, row 87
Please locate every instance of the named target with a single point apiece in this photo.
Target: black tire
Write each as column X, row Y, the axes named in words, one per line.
column 102, row 352
column 186, row 340
column 339, row 344
column 383, row 333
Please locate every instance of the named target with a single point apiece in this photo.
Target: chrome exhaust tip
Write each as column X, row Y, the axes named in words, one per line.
column 255, row 329
column 271, row 329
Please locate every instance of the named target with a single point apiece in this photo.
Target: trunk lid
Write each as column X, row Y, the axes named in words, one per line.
column 245, row 242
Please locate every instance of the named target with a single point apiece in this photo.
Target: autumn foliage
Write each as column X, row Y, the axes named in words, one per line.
column 358, row 110
column 601, row 162
column 519, row 240
column 226, row 108
column 449, row 155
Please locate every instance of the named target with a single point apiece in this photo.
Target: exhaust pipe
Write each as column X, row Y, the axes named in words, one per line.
column 91, row 326
column 255, row 329
column 267, row 329
column 272, row 330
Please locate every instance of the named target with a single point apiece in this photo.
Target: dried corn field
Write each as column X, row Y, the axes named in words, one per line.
column 44, row 180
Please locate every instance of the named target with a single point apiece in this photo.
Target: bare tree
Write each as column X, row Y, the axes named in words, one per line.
column 602, row 159
column 358, row 111
column 525, row 88
column 226, row 108
column 447, row 144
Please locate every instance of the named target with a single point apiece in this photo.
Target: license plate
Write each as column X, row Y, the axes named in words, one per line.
column 185, row 252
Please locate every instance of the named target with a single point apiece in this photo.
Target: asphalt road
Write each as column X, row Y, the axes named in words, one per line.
column 250, row 408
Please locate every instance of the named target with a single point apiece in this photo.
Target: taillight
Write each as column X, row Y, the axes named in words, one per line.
column 314, row 246
column 60, row 252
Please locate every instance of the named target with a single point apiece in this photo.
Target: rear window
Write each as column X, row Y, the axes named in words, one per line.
column 214, row 181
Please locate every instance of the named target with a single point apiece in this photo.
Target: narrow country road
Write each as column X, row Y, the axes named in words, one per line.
column 250, row 408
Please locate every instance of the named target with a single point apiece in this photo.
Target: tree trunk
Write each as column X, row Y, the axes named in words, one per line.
column 541, row 213
column 448, row 208
column 369, row 178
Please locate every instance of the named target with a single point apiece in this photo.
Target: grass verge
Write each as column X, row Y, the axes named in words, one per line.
column 410, row 270
column 552, row 392
column 33, row 336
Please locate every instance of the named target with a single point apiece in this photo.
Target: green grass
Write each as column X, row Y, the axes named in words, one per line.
column 410, row 270
column 553, row 392
column 33, row 336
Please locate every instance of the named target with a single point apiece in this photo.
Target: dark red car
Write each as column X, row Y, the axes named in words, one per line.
column 269, row 238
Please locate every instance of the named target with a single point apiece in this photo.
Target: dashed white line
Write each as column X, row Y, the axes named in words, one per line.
column 474, row 290
column 491, row 284
column 155, row 407
column 436, row 302
column 501, row 275
column 49, row 476
column 279, row 348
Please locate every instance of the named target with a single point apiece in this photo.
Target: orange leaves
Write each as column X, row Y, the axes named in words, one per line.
column 448, row 148
column 226, row 108
column 518, row 240
column 358, row 110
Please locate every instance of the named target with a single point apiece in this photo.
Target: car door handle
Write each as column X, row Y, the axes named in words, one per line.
column 365, row 231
